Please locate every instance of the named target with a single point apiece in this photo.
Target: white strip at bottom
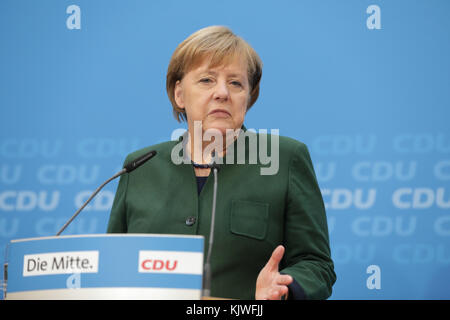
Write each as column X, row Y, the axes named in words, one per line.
column 107, row 294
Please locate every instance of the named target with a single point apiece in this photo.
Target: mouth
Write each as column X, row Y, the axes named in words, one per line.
column 219, row 113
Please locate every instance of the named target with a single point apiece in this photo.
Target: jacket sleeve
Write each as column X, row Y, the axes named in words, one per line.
column 118, row 217
column 307, row 256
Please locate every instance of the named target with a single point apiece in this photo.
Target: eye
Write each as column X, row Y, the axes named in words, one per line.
column 236, row 83
column 206, row 80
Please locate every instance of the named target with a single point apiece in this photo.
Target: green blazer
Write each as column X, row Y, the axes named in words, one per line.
column 254, row 214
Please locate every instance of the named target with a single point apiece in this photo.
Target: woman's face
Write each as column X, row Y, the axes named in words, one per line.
column 218, row 97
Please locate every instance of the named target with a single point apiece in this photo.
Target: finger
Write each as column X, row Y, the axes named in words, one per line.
column 275, row 295
column 284, row 279
column 284, row 291
column 275, row 259
column 278, row 292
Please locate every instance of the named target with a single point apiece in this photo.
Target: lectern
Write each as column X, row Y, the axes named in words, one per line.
column 105, row 266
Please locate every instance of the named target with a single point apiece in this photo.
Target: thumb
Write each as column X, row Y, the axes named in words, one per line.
column 275, row 259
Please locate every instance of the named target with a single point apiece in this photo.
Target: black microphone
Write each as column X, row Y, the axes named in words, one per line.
column 139, row 161
column 133, row 165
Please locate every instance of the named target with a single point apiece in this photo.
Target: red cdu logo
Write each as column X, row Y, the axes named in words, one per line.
column 156, row 264
column 170, row 262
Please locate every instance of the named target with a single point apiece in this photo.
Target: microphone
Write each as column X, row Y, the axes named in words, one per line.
column 126, row 169
column 133, row 165
column 207, row 267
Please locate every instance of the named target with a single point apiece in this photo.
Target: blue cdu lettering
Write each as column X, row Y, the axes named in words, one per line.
column 380, row 171
column 422, row 253
column 340, row 199
column 9, row 227
column 104, row 148
column 344, row 144
column 102, row 202
column 325, row 171
column 29, row 148
column 422, row 143
column 67, row 174
column 442, row 226
column 50, row 226
column 420, row 198
column 382, row 226
column 442, row 170
column 10, row 174
column 28, row 200
column 358, row 253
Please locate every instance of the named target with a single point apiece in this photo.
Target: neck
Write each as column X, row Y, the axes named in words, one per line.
column 202, row 145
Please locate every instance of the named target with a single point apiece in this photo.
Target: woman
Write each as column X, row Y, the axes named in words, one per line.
column 271, row 237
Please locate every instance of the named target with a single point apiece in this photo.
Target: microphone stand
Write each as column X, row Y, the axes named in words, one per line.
column 207, row 267
column 127, row 169
column 89, row 200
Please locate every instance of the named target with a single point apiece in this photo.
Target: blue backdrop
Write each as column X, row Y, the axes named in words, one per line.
column 365, row 84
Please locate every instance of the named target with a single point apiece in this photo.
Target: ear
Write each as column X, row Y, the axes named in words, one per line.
column 178, row 94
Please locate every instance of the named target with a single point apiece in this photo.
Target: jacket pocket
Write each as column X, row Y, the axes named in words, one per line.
column 249, row 219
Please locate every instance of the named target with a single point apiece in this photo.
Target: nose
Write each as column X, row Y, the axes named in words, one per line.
column 221, row 91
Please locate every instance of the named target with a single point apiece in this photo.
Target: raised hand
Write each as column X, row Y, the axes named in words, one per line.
column 270, row 284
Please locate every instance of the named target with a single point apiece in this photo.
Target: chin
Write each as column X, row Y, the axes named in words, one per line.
column 222, row 130
column 221, row 126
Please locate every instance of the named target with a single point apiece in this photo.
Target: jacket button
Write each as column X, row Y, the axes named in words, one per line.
column 190, row 221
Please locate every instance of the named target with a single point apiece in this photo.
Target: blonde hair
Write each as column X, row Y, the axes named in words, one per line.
column 221, row 45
